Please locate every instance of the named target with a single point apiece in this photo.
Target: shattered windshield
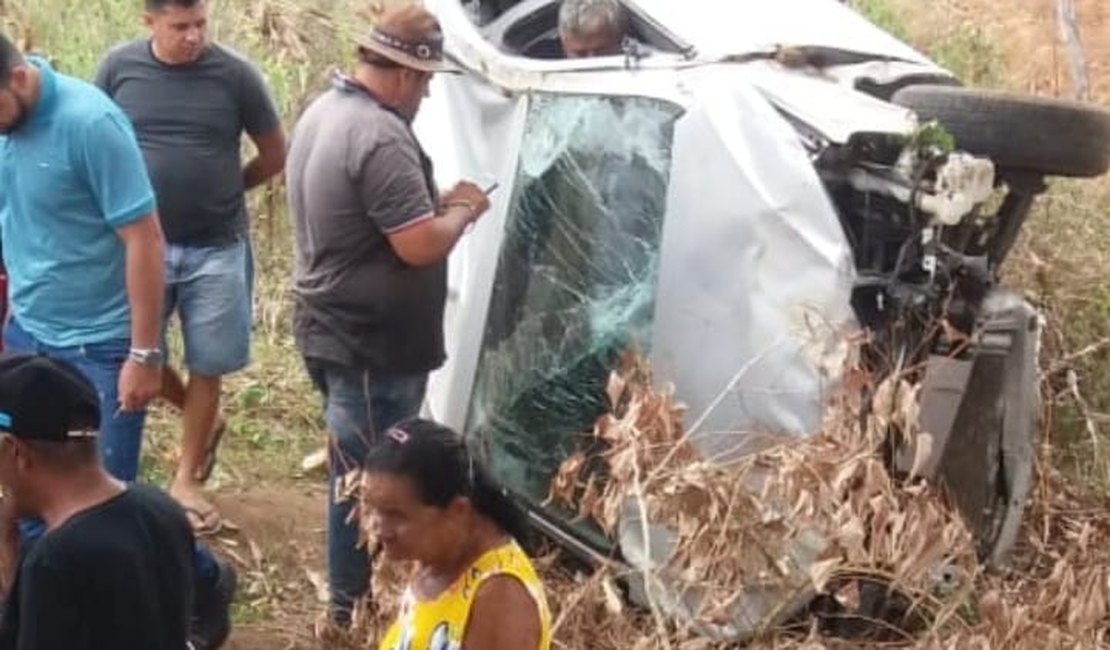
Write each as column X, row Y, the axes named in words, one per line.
column 576, row 278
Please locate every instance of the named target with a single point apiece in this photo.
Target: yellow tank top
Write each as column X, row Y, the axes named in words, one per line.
column 440, row 624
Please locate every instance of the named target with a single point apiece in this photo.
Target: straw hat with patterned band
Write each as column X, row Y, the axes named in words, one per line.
column 409, row 36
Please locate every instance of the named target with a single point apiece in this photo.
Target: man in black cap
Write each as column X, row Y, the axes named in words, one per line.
column 115, row 567
column 372, row 237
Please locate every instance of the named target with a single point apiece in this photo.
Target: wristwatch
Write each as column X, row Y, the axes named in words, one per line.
column 146, row 356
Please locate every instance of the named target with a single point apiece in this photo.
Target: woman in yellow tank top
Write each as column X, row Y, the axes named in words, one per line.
column 427, row 500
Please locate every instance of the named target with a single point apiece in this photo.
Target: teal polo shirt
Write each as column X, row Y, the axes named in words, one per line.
column 70, row 175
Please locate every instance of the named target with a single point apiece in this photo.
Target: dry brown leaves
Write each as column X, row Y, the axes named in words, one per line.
column 789, row 518
column 375, row 613
column 291, row 31
column 1058, row 593
column 639, row 435
column 752, row 523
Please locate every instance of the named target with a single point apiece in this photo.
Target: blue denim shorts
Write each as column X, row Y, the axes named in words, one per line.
column 210, row 289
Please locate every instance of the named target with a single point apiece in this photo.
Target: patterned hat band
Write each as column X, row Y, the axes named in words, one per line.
column 424, row 51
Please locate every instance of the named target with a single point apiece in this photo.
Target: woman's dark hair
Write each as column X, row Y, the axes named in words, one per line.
column 441, row 466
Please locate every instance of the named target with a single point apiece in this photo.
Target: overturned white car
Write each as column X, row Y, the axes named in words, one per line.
column 731, row 197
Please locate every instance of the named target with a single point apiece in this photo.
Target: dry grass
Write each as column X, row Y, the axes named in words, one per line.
column 749, row 527
column 1063, row 261
column 734, row 533
column 1023, row 38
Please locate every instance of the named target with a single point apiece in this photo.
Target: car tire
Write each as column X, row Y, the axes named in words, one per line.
column 1035, row 134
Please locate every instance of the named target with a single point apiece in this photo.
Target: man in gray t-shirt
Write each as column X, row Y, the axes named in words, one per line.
column 190, row 102
column 372, row 237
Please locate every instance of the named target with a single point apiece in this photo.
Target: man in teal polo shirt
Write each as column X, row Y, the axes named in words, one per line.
column 81, row 242
column 84, row 252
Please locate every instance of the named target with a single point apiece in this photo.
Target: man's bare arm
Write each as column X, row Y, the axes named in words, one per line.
column 431, row 240
column 9, row 544
column 142, row 239
column 270, row 159
column 143, row 242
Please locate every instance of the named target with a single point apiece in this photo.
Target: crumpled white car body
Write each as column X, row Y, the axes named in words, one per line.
column 670, row 204
column 752, row 287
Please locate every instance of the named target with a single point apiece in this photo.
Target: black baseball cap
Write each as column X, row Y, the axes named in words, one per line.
column 46, row 399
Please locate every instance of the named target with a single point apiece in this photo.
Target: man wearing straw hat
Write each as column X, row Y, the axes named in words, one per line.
column 372, row 235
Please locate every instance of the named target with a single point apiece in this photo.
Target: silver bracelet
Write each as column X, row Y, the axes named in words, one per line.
column 463, row 204
column 146, row 356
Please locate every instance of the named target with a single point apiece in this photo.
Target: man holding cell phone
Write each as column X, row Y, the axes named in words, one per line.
column 372, row 235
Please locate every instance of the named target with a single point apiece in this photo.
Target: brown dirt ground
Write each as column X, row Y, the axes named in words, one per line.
column 280, row 537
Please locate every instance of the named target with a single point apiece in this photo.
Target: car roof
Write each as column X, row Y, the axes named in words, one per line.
column 728, row 27
column 689, row 24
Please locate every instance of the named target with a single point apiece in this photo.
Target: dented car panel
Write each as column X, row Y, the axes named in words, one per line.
column 738, row 28
column 751, row 256
column 680, row 235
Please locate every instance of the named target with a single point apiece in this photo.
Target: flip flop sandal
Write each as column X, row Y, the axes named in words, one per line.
column 205, row 470
column 201, row 516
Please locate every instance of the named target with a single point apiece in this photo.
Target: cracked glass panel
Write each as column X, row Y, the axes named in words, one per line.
column 575, row 281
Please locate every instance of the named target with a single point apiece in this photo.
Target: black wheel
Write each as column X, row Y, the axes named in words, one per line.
column 1048, row 136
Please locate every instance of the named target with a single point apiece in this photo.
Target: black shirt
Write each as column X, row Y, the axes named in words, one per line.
column 118, row 575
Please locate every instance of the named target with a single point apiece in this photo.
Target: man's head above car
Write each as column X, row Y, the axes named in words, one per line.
column 592, row 27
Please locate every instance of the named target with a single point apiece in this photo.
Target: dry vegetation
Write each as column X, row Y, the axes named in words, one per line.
column 1057, row 593
column 753, row 523
column 1063, row 258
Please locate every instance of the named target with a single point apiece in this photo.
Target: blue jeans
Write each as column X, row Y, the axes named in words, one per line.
column 358, row 407
column 120, row 433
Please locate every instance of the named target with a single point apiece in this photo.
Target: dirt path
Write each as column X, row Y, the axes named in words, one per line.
column 280, row 539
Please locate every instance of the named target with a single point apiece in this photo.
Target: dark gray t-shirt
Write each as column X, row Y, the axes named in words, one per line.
column 190, row 120
column 356, row 173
